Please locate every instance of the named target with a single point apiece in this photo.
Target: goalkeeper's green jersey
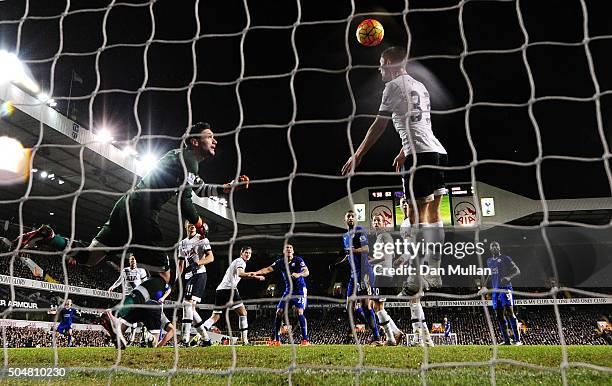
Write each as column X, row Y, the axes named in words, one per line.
column 166, row 180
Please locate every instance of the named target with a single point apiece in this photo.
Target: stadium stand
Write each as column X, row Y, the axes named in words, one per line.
column 26, row 337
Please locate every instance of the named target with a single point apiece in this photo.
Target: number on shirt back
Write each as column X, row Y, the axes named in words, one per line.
column 417, row 112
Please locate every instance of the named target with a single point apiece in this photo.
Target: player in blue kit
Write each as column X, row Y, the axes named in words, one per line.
column 67, row 314
column 295, row 291
column 361, row 281
column 448, row 329
column 503, row 270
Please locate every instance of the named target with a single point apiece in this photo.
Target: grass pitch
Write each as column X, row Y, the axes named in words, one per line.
column 317, row 365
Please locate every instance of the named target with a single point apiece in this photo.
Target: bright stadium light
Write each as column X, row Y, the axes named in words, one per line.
column 60, row 181
column 147, row 162
column 14, row 161
column 129, row 151
column 44, row 97
column 12, row 70
column 10, row 67
column 43, row 174
column 103, row 136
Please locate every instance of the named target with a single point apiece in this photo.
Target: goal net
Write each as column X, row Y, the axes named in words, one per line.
column 94, row 93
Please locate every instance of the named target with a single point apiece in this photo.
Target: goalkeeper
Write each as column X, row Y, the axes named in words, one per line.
column 133, row 221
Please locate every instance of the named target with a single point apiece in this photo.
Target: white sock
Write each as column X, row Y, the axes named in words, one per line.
column 421, row 237
column 425, row 331
column 420, row 312
column 187, row 318
column 422, row 323
column 437, row 235
column 385, row 320
column 405, row 229
column 416, row 311
column 393, row 326
column 197, row 321
column 203, row 332
column 133, row 336
column 416, row 328
column 243, row 324
column 428, row 240
column 208, row 323
column 417, row 316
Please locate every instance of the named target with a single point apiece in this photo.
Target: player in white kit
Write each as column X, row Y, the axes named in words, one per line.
column 194, row 254
column 382, row 263
column 406, row 101
column 227, row 295
column 130, row 278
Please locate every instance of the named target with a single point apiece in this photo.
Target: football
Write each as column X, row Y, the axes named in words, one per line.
column 370, row 33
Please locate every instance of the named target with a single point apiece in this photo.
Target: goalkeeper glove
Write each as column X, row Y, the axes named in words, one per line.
column 242, row 182
column 201, row 227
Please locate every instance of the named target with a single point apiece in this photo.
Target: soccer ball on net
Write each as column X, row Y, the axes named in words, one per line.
column 370, row 32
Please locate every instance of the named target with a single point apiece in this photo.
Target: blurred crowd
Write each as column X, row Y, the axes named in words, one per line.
column 330, row 326
column 539, row 325
column 23, row 337
column 100, row 278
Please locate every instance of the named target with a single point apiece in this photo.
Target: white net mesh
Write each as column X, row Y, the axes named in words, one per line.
column 152, row 69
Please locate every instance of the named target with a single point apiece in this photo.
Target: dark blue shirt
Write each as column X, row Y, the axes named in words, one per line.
column 66, row 315
column 501, row 266
column 360, row 265
column 295, row 266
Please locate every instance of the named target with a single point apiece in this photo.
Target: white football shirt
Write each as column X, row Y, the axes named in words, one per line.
column 408, row 102
column 194, row 247
column 383, row 239
column 231, row 278
column 133, row 278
